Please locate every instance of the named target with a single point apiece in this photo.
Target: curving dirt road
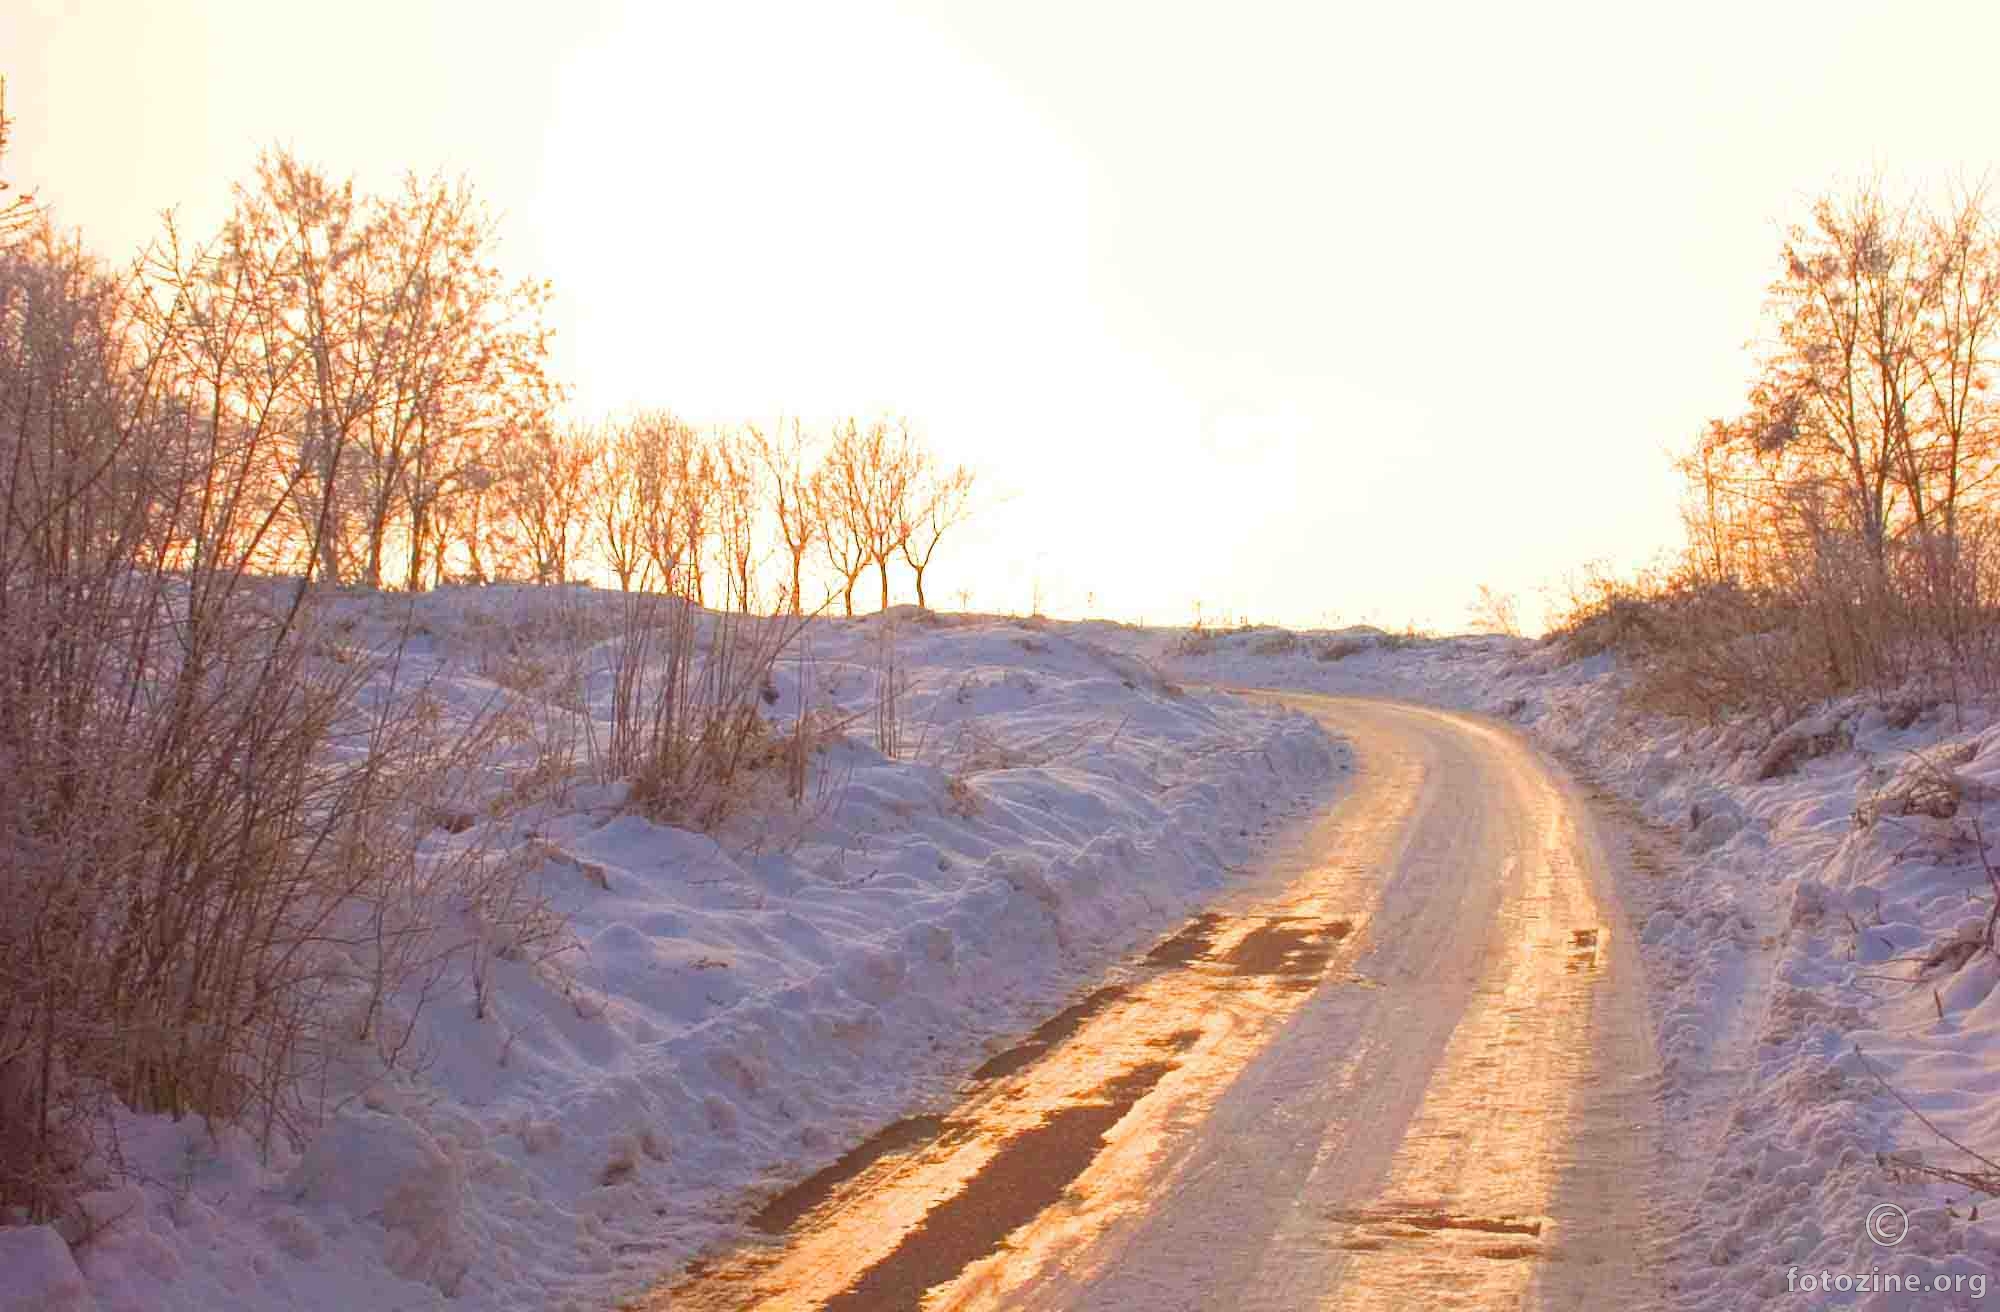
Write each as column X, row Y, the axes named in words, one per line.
column 1408, row 1066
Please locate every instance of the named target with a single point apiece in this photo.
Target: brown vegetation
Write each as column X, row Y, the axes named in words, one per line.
column 211, row 835
column 1842, row 530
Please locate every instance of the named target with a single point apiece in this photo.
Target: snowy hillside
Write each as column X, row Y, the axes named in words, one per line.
column 573, row 1112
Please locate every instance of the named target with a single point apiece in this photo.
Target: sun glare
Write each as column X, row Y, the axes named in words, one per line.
column 1370, row 310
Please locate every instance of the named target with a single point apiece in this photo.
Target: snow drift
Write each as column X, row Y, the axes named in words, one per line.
column 717, row 1015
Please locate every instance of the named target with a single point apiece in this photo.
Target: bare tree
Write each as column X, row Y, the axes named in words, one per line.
column 890, row 465
column 473, row 519
column 474, row 362
column 1872, row 395
column 1962, row 286
column 454, row 363
column 1848, row 512
column 661, row 453
column 793, row 504
column 738, row 501
column 548, row 484
column 414, row 353
column 17, row 216
column 694, row 505
column 296, row 246
column 618, row 513
column 209, row 341
column 838, row 500
column 938, row 502
column 1496, row 612
column 1846, row 358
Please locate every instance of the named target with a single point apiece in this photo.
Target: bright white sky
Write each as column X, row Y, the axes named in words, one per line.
column 1304, row 312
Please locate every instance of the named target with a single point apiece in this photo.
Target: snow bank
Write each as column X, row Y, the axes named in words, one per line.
column 732, row 1012
column 40, row 1274
column 1807, row 950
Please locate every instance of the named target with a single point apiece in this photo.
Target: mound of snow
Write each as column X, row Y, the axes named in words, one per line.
column 571, row 1112
column 40, row 1274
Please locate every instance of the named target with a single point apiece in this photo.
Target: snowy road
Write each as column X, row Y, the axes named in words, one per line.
column 1407, row 1064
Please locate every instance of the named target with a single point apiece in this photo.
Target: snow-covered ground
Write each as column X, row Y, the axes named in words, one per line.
column 731, row 1014
column 735, row 1012
column 1809, row 949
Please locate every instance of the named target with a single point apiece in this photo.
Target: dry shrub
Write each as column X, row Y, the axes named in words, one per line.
column 976, row 750
column 1927, row 784
column 1496, row 612
column 1606, row 613
column 960, row 799
column 1806, row 741
column 1824, row 623
column 1197, row 641
column 1696, row 650
column 890, row 685
column 216, row 867
column 209, row 838
column 687, row 726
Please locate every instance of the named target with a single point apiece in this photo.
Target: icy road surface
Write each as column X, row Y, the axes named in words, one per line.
column 1407, row 1065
